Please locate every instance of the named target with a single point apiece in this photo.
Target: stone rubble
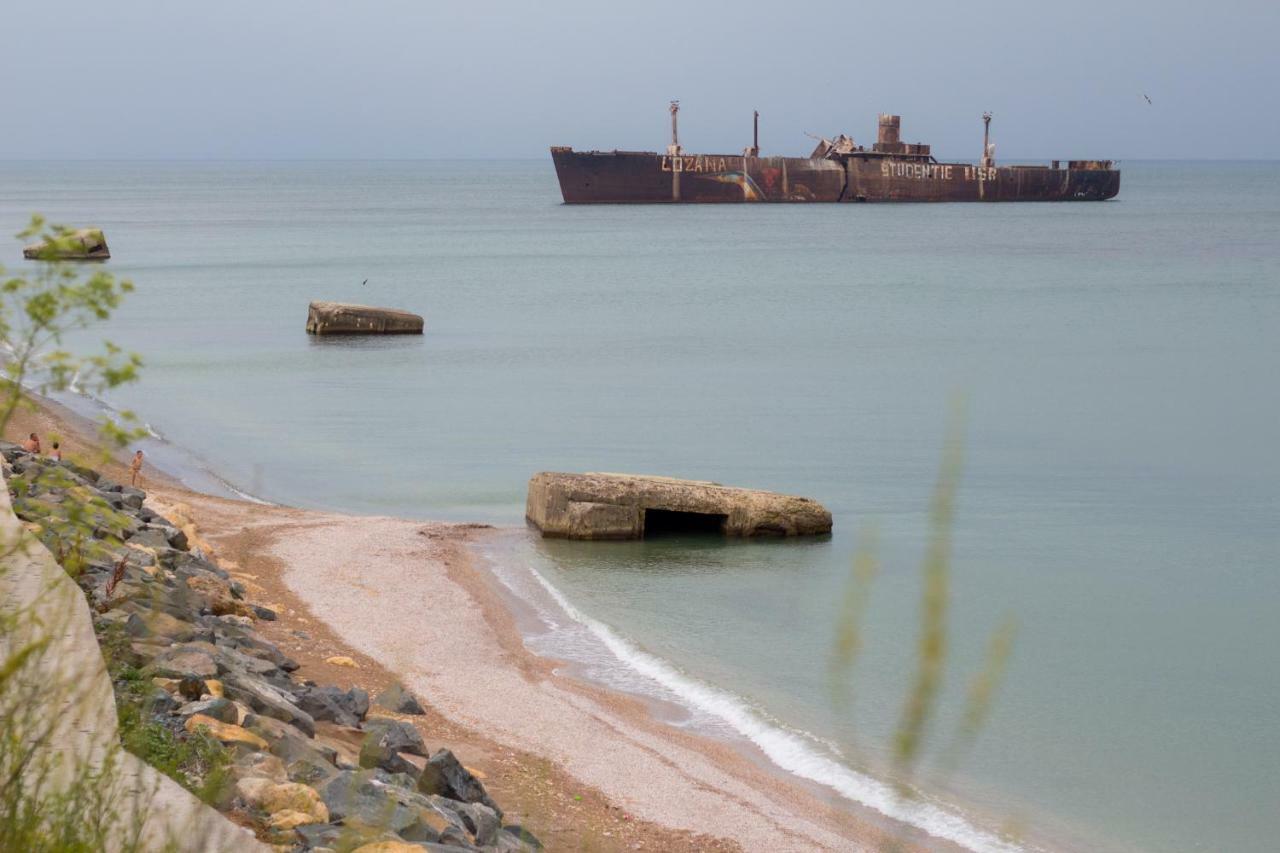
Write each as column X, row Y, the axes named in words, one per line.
column 189, row 627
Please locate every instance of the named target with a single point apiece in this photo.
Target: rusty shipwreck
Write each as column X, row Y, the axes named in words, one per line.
column 837, row 170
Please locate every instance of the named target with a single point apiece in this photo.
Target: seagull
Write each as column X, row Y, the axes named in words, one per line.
column 363, row 283
column 1148, row 97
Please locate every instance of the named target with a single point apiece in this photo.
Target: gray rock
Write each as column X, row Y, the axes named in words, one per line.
column 366, row 797
column 315, row 835
column 515, row 837
column 177, row 538
column 150, row 537
column 185, row 564
column 373, row 753
column 287, row 742
column 233, row 661
column 219, row 709
column 396, row 735
column 346, row 708
column 446, row 777
column 131, row 498
column 482, row 822
column 311, row 772
column 266, row 614
column 160, row 624
column 267, row 700
column 396, row 698
column 452, row 839
column 185, row 661
column 161, row 702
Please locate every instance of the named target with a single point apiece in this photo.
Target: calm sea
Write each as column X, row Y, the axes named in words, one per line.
column 1121, row 489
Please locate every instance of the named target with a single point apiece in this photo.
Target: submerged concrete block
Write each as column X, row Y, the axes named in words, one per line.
column 631, row 506
column 87, row 244
column 340, row 318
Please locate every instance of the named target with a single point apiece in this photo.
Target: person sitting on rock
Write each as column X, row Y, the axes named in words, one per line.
column 55, row 454
column 32, row 444
column 136, row 466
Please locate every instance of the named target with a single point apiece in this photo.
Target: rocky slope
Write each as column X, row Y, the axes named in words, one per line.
column 309, row 767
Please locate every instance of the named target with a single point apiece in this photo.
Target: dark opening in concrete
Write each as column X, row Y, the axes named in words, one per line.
column 665, row 522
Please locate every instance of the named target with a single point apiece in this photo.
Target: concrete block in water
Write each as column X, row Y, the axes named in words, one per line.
column 87, row 244
column 630, row 506
column 340, row 318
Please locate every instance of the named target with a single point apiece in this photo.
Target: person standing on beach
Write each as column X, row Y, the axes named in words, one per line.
column 32, row 444
column 136, row 466
column 55, row 454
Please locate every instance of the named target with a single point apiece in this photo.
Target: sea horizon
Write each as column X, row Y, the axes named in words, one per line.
column 1115, row 446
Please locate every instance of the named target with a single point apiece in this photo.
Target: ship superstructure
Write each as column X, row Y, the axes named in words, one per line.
column 837, row 170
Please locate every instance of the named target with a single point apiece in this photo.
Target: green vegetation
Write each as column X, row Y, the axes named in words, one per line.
column 193, row 759
column 38, row 310
column 921, row 703
column 52, row 798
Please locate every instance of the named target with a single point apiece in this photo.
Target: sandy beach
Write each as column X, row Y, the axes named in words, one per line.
column 582, row 767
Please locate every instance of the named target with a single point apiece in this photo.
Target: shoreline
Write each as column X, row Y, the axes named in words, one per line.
column 579, row 763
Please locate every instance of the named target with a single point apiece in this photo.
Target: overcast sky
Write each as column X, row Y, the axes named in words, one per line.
column 289, row 79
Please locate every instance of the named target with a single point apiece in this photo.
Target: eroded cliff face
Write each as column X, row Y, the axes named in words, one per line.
column 630, row 506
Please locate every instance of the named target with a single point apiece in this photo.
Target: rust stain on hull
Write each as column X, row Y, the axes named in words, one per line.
column 836, row 172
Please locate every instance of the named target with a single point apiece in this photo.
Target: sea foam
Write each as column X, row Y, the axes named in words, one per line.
column 793, row 752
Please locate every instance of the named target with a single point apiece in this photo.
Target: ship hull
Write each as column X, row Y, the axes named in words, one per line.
column 634, row 177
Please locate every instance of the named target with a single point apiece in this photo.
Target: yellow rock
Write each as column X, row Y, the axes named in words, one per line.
column 295, row 797
column 388, row 847
column 225, row 732
column 342, row 660
column 289, row 819
column 214, row 686
column 168, row 684
column 221, row 601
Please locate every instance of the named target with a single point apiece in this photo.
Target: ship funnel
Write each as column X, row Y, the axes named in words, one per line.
column 890, row 127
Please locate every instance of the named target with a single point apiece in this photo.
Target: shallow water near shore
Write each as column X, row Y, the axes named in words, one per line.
column 1120, row 497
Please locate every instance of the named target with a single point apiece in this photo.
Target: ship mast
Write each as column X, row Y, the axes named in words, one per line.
column 988, row 151
column 674, row 148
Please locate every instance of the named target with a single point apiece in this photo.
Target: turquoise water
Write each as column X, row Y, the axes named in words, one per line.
column 1120, row 496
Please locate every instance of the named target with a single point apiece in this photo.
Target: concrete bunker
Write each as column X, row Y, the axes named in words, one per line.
column 341, row 318
column 633, row 506
column 86, row 244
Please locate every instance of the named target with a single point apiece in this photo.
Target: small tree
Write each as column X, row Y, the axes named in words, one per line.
column 38, row 310
column 51, row 798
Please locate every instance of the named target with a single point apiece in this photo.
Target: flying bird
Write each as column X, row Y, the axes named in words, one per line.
column 1148, row 97
column 363, row 283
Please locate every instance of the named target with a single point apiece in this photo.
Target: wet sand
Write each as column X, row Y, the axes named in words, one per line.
column 580, row 766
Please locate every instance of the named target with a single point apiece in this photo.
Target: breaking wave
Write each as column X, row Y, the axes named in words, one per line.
column 792, row 751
